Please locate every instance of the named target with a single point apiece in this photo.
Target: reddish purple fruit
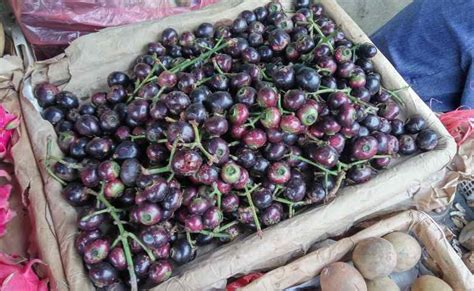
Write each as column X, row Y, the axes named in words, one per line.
column 364, row 148
column 279, row 173
column 255, row 138
column 270, row 117
column 96, row 251
column 159, row 271
column 117, row 259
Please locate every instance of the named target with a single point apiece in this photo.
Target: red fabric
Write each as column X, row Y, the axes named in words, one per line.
column 459, row 123
column 243, row 281
column 50, row 25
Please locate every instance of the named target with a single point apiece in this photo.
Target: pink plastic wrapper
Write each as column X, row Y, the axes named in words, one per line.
column 50, row 25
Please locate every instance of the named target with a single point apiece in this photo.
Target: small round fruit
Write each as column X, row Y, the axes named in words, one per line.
column 279, row 173
column 407, row 248
column 159, row 271
column 374, row 258
column 340, row 276
column 182, row 252
column 415, row 124
column 103, row 275
column 407, row 144
column 255, row 138
column 230, row 173
column 427, row 140
column 96, row 251
column 382, row 284
column 430, row 283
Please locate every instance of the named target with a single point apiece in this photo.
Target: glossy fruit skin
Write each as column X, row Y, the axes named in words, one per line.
column 238, row 114
column 337, row 141
column 367, row 51
column 380, row 163
column 360, row 175
column 389, row 110
column 212, row 218
column 293, row 99
column 398, row 127
column 219, row 101
column 199, row 205
column 87, row 125
column 270, row 117
column 275, row 151
column 186, row 162
column 230, row 203
column 75, row 194
column 103, row 274
column 279, row 173
column 407, row 144
column 154, row 236
column 317, row 193
column 272, row 214
column 159, row 271
column 415, row 124
column 246, row 157
column 117, row 78
column 325, row 155
column 53, row 114
column 146, row 213
column 255, row 138
column 291, row 124
column 193, row 223
column 182, row 252
column 246, row 95
column 45, row 93
column 284, row 77
column 218, row 148
column 141, row 264
column 230, row 173
column 427, row 140
column 267, row 97
column 87, row 222
column 364, row 148
column 216, row 125
column 295, row 189
column 96, row 251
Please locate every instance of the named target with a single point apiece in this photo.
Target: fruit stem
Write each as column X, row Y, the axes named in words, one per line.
column 96, row 213
column 394, row 94
column 333, row 173
column 214, row 234
column 329, row 90
column 144, row 247
column 248, row 193
column 134, row 137
column 218, row 193
column 226, row 226
column 147, row 79
column 348, row 166
column 49, row 145
column 204, row 56
column 277, row 190
column 360, row 102
column 189, row 239
column 156, row 98
column 197, row 143
column 123, row 238
column 165, row 169
column 332, row 194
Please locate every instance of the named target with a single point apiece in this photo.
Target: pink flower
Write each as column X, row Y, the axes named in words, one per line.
column 8, row 122
column 17, row 276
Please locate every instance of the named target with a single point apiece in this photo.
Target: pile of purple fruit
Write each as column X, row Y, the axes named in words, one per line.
column 226, row 129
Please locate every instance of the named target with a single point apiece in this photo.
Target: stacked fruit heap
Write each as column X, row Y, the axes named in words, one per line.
column 381, row 262
column 230, row 127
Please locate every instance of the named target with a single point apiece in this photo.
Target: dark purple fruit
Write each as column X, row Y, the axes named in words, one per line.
column 326, row 155
column 96, row 251
column 108, row 170
column 67, row 100
column 45, row 94
column 207, row 175
column 198, row 206
column 275, row 151
column 219, row 101
column 246, row 157
column 196, row 112
column 117, row 94
column 103, row 275
column 291, row 124
column 117, row 78
column 117, row 259
column 262, row 198
column 407, row 144
column 159, row 271
column 87, row 125
column 398, row 127
column 173, row 200
column 267, row 97
column 218, row 148
column 84, row 238
column 212, row 218
column 337, row 141
column 294, row 99
column 182, row 252
column 360, row 175
column 427, row 140
column 364, row 148
column 246, row 95
column 169, row 37
column 230, row 203
column 329, row 125
column 146, row 213
column 216, row 125
column 129, row 171
column 154, row 236
column 162, row 252
column 156, row 191
column 76, row 194
column 186, row 162
column 53, row 114
column 372, row 122
column 141, row 264
column 65, row 172
column 284, row 77
column 317, row 193
column 415, row 124
column 366, row 50
column 272, row 214
column 380, row 163
column 180, row 130
column 344, row 70
column 389, row 110
column 238, row 113
column 255, row 138
column 87, row 220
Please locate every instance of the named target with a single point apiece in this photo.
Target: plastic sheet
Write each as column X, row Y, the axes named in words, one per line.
column 50, row 25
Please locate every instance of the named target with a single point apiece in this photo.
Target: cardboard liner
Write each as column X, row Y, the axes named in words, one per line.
column 83, row 70
column 44, row 243
column 453, row 270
